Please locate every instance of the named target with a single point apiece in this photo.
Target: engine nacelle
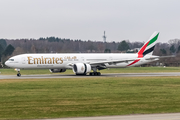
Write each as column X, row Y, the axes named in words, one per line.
column 81, row 68
column 57, row 70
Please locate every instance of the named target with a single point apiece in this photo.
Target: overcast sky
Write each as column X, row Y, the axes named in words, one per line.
column 133, row 20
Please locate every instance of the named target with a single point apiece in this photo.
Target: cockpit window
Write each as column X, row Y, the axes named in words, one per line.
column 11, row 60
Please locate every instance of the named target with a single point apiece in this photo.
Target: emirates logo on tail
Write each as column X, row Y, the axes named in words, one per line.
column 148, row 47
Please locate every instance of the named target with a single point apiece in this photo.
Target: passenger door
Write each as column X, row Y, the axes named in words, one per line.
column 23, row 60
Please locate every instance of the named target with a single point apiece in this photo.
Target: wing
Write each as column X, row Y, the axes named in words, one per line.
column 103, row 62
column 110, row 62
column 124, row 60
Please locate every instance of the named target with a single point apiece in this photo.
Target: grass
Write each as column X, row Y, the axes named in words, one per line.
column 111, row 70
column 56, row 98
column 30, row 72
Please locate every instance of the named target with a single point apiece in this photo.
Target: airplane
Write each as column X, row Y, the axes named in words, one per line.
column 84, row 63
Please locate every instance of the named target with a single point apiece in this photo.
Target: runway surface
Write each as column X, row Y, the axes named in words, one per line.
column 103, row 75
column 169, row 116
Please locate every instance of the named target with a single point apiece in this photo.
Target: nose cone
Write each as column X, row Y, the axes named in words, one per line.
column 6, row 63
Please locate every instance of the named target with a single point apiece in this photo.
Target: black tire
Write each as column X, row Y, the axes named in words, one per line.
column 98, row 73
column 94, row 73
column 19, row 75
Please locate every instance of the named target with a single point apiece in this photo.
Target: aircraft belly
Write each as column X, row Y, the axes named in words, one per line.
column 42, row 66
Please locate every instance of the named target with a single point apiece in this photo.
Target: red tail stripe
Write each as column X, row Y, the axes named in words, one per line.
column 134, row 62
column 140, row 53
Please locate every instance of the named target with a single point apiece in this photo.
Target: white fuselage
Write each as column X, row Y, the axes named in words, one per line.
column 62, row 61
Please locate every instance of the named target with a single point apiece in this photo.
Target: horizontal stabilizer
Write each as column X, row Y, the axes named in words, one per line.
column 160, row 57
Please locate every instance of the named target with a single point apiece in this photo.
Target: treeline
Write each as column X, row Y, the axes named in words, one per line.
column 58, row 45
column 54, row 39
column 5, row 50
column 61, row 45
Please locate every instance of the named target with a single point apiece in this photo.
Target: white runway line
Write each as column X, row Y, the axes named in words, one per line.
column 168, row 116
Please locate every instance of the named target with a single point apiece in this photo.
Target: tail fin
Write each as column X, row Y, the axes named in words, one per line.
column 148, row 47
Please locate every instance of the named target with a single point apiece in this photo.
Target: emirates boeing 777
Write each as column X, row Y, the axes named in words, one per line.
column 84, row 63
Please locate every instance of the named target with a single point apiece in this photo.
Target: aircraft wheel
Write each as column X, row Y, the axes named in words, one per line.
column 98, row 73
column 94, row 73
column 19, row 75
column 91, row 73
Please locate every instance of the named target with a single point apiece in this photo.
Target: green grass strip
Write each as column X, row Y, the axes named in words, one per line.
column 111, row 70
column 76, row 97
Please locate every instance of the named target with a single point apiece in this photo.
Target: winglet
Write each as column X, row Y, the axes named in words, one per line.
column 148, row 47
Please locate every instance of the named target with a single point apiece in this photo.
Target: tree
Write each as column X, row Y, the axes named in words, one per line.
column 1, row 51
column 178, row 49
column 91, row 47
column 9, row 50
column 3, row 43
column 172, row 49
column 163, row 51
column 123, row 46
column 107, row 51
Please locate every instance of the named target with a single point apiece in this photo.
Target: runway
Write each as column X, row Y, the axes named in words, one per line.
column 168, row 116
column 103, row 75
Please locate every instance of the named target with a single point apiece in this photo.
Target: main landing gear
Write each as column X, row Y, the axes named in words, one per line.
column 94, row 73
column 18, row 74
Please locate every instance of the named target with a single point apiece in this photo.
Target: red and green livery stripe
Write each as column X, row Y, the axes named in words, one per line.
column 147, row 48
column 143, row 51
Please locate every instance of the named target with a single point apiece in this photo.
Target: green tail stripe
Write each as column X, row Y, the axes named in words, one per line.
column 153, row 39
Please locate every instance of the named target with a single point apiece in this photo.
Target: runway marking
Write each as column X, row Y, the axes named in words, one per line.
column 167, row 116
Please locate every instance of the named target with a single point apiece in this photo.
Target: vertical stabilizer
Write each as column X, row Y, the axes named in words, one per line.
column 148, row 47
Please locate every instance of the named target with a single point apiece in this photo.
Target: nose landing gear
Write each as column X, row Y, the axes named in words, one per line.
column 18, row 74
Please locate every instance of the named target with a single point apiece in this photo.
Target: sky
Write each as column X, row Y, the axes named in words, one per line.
column 133, row 20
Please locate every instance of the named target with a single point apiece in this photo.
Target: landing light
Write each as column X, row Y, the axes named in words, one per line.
column 17, row 69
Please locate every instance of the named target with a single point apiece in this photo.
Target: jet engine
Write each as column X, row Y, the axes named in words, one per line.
column 81, row 68
column 57, row 70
